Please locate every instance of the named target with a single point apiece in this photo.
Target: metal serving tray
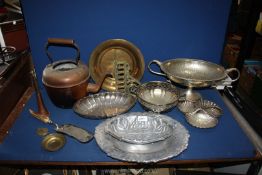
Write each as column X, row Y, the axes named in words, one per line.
column 107, row 53
column 143, row 153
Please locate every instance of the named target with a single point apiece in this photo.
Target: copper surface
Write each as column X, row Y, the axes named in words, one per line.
column 67, row 81
column 65, row 97
column 104, row 56
column 60, row 78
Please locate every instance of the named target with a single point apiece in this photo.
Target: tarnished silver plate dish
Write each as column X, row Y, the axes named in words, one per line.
column 139, row 128
column 189, row 101
column 103, row 105
column 157, row 96
column 161, row 150
column 201, row 119
column 193, row 72
column 211, row 108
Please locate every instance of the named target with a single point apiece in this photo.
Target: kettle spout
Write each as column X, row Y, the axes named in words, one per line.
column 93, row 88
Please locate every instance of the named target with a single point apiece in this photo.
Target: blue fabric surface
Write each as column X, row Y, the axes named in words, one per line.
column 226, row 140
column 161, row 29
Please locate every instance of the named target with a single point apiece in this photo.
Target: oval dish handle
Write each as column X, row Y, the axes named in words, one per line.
column 231, row 70
column 154, row 72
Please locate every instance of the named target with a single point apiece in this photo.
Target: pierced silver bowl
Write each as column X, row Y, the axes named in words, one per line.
column 211, row 108
column 189, row 102
column 104, row 105
column 201, row 119
column 157, row 96
column 139, row 128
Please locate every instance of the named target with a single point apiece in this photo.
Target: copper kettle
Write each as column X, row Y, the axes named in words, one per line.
column 67, row 80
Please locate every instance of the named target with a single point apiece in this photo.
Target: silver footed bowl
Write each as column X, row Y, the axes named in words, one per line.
column 157, row 96
column 193, row 72
column 104, row 105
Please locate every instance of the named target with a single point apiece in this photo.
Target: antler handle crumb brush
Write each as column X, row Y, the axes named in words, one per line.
column 42, row 113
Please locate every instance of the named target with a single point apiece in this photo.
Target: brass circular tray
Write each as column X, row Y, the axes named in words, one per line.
column 53, row 142
column 107, row 53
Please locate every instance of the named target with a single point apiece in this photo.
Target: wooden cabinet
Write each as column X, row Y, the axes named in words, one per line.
column 245, row 53
column 15, row 84
column 15, row 79
column 14, row 34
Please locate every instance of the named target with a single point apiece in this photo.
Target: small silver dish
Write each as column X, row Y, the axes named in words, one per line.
column 201, row 119
column 139, row 128
column 104, row 105
column 211, row 108
column 189, row 102
column 157, row 96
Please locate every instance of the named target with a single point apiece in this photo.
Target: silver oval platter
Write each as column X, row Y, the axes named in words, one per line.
column 144, row 152
column 104, row 105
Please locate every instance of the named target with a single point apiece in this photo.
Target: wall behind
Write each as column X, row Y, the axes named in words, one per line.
column 162, row 29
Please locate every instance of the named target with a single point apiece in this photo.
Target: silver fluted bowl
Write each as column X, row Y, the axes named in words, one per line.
column 104, row 105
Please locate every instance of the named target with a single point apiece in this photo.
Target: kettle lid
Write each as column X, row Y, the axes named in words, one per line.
column 65, row 73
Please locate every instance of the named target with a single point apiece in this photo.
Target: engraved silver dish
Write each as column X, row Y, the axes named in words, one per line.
column 157, row 96
column 194, row 72
column 161, row 150
column 139, row 128
column 104, row 105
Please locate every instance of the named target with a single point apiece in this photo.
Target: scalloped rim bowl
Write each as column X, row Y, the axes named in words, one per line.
column 157, row 96
column 104, row 105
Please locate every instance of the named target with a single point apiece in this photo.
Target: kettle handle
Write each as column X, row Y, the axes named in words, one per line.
column 61, row 42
